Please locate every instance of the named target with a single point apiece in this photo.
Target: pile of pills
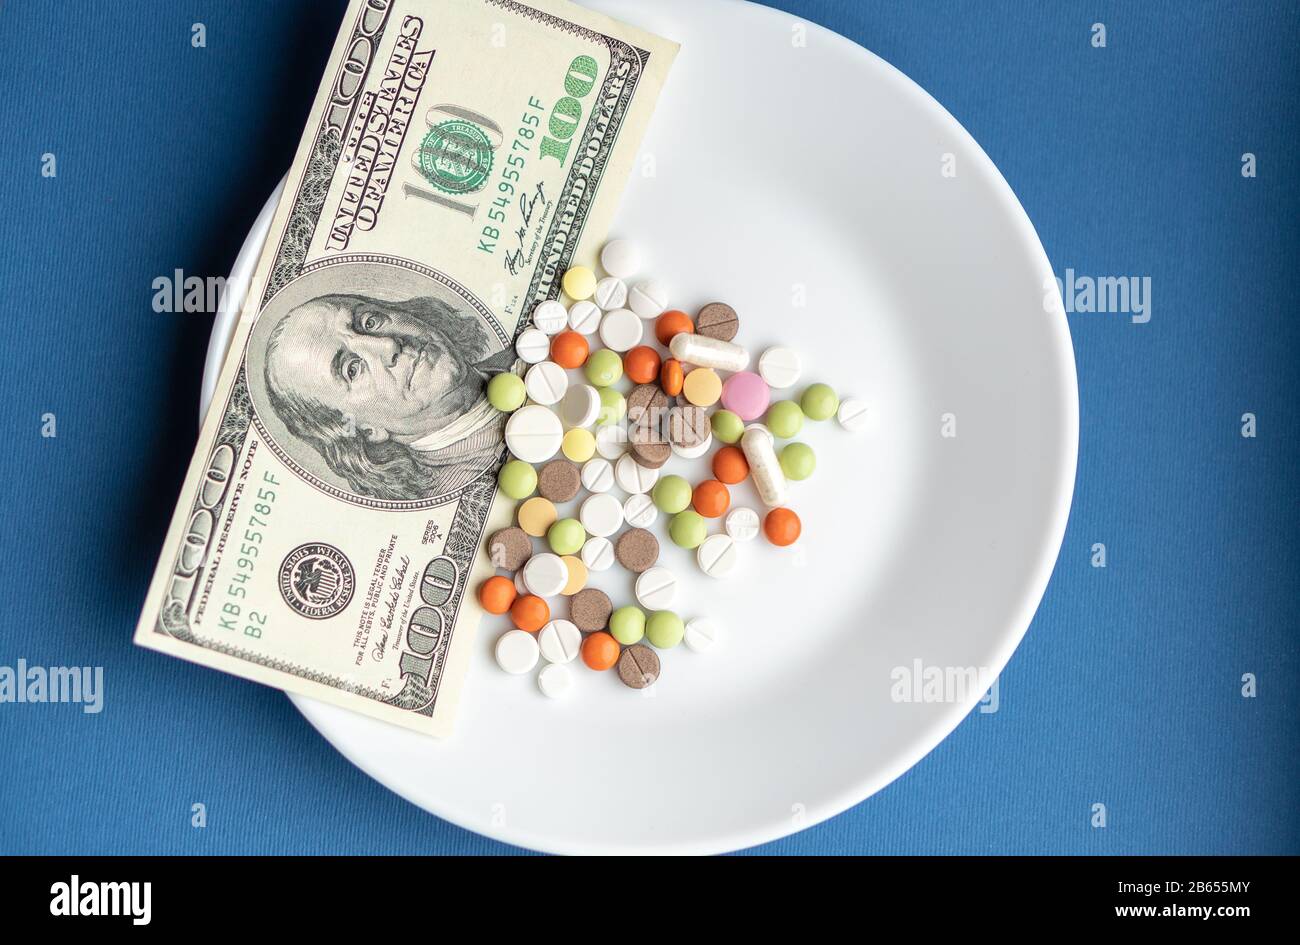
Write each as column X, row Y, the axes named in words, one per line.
column 691, row 389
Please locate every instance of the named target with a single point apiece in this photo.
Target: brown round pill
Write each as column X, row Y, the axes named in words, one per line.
column 638, row 667
column 559, row 480
column 717, row 320
column 510, row 548
column 688, row 426
column 636, row 550
column 647, row 406
column 589, row 609
column 651, row 455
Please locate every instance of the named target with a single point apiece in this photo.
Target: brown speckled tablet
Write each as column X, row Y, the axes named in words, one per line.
column 589, row 609
column 717, row 320
column 638, row 667
column 510, row 548
column 651, row 454
column 636, row 549
column 647, row 405
column 688, row 426
column 559, row 480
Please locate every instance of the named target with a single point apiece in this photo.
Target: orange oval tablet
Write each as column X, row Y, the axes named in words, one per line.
column 672, row 322
column 569, row 349
column 641, row 364
column 496, row 594
column 782, row 527
column 711, row 498
column 730, row 465
column 529, row 612
column 600, row 651
column 671, row 377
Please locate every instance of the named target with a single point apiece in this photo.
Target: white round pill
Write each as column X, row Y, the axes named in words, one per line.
column 560, row 641
column 584, row 317
column 655, row 588
column 780, row 367
column 533, row 345
column 551, row 316
column 598, row 554
column 555, row 680
column 546, row 383
column 597, row 475
column 545, row 574
column 620, row 258
column 520, row 586
column 601, row 514
column 611, row 440
column 611, row 292
column 852, row 414
column 632, row 477
column 620, row 330
column 640, row 510
column 742, row 523
column 516, row 651
column 534, row 433
column 580, row 405
column 696, row 451
column 648, row 298
column 702, row 633
column 717, row 556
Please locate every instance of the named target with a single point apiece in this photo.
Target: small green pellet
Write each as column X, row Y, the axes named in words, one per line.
column 506, row 392
column 727, row 426
column 613, row 406
column 627, row 625
column 665, row 629
column 671, row 494
column 798, row 461
column 517, row 479
column 603, row 367
column 785, row 419
column 688, row 529
column 566, row 536
column 819, row 402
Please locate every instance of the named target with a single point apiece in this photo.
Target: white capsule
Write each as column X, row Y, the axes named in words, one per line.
column 560, row 641
column 620, row 258
column 708, row 352
column 598, row 554
column 555, row 680
column 597, row 475
column 546, row 383
column 620, row 330
column 780, row 367
column 611, row 292
column 533, row 345
column 648, row 298
column 655, row 588
column 764, row 467
column 640, row 510
column 702, row 633
column 516, row 651
column 632, row 477
column 584, row 317
column 551, row 316
column 716, row 555
column 852, row 414
column 742, row 523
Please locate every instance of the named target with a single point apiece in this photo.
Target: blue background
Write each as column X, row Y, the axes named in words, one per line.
column 1126, row 690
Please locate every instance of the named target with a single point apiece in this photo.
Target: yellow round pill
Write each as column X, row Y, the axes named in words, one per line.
column 537, row 515
column 577, row 575
column 702, row 387
column 579, row 445
column 579, row 283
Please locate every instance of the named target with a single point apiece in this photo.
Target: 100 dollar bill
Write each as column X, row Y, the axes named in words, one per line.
column 459, row 157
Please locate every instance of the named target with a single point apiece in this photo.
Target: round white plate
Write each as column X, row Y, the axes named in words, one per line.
column 804, row 184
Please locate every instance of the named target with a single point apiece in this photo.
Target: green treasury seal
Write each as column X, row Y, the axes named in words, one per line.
column 456, row 156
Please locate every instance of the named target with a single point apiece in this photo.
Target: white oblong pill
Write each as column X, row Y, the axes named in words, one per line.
column 584, row 317
column 580, row 405
column 620, row 258
column 655, row 588
column 533, row 345
column 611, row 292
column 620, row 330
column 520, row 586
column 702, row 633
column 551, row 316
column 742, row 523
column 648, row 298
column 534, row 433
column 555, row 680
column 780, row 367
column 696, row 451
column 611, row 440
column 717, row 556
column 545, row 574
column 601, row 514
column 560, row 641
column 703, row 351
column 516, row 651
column 546, row 383
column 598, row 554
column 852, row 414
column 632, row 477
column 764, row 467
column 640, row 510
column 597, row 475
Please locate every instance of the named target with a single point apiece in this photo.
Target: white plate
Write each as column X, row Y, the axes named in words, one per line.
column 802, row 184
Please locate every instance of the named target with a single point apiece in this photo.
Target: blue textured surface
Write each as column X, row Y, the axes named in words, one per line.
column 1126, row 690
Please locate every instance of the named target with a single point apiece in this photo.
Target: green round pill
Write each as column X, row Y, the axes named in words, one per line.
column 798, row 461
column 785, row 419
column 687, row 529
column 566, row 536
column 613, row 406
column 665, row 629
column 506, row 392
column 603, row 367
column 819, row 402
column 517, row 479
column 727, row 426
column 627, row 625
column 671, row 494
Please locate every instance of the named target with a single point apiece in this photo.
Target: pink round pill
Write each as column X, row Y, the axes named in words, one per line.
column 746, row 395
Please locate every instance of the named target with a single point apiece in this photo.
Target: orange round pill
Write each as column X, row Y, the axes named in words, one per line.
column 730, row 465
column 711, row 498
column 496, row 594
column 569, row 349
column 529, row 612
column 671, row 377
column 672, row 323
column 600, row 651
column 782, row 527
column 641, row 364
